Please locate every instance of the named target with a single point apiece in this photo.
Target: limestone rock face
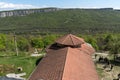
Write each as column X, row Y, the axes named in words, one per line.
column 25, row 12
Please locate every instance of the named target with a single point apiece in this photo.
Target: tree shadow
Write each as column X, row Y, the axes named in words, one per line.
column 115, row 63
column 38, row 61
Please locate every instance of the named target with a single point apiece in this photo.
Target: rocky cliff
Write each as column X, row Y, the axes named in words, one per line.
column 25, row 12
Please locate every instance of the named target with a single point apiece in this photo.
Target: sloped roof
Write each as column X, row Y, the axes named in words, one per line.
column 79, row 66
column 51, row 67
column 66, row 63
column 70, row 40
column 87, row 48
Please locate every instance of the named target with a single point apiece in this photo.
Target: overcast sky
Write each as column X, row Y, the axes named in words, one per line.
column 26, row 4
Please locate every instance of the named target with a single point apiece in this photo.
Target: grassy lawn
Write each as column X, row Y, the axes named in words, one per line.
column 9, row 64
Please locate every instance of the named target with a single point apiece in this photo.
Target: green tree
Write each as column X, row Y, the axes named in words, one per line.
column 10, row 43
column 115, row 47
column 37, row 43
column 108, row 42
column 22, row 43
column 49, row 39
column 92, row 40
column 2, row 42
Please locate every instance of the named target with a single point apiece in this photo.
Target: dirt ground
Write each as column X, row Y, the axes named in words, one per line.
column 107, row 73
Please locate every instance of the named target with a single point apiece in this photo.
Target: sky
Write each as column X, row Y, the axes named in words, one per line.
column 27, row 4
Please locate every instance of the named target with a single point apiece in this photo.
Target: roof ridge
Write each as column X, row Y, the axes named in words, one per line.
column 65, row 38
column 79, row 39
column 71, row 39
column 65, row 60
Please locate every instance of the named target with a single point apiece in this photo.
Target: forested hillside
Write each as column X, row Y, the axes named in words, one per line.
column 64, row 21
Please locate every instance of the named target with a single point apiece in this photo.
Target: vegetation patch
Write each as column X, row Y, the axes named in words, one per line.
column 10, row 64
column 63, row 21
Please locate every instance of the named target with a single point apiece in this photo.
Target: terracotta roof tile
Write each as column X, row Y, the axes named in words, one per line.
column 86, row 48
column 79, row 66
column 66, row 62
column 70, row 40
column 51, row 67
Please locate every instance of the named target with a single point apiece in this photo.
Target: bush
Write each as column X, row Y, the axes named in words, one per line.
column 49, row 39
column 22, row 44
column 2, row 42
column 37, row 43
column 92, row 40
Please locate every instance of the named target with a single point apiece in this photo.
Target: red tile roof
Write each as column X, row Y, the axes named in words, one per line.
column 79, row 66
column 51, row 67
column 87, row 48
column 70, row 40
column 66, row 63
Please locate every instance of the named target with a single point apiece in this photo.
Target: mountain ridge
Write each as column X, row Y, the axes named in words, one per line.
column 23, row 12
column 58, row 20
